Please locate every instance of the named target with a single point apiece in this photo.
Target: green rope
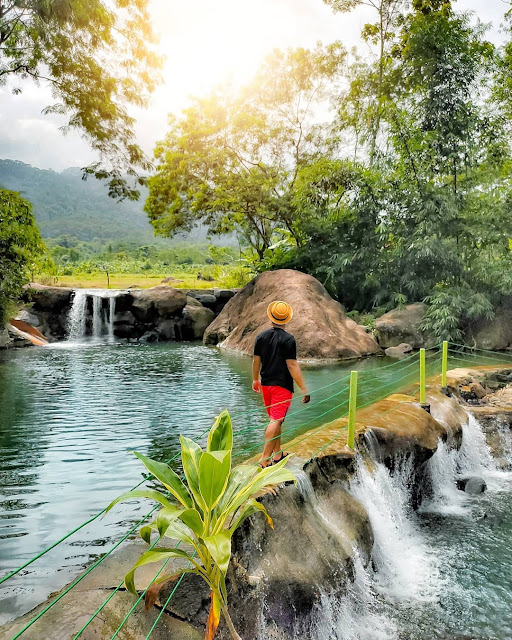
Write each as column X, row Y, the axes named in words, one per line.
column 336, row 437
column 96, row 516
column 100, row 608
column 465, row 346
column 470, row 363
column 80, row 578
column 165, row 605
column 377, row 369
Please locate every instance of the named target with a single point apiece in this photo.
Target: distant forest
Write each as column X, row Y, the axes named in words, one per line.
column 66, row 205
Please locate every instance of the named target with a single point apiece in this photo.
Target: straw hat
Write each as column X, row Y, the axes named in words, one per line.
column 279, row 312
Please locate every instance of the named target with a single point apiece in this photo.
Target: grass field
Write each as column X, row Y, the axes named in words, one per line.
column 125, row 280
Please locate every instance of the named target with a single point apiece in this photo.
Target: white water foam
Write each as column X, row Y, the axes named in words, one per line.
column 355, row 616
column 77, row 316
column 405, row 569
column 97, row 320
column 102, row 324
column 475, row 456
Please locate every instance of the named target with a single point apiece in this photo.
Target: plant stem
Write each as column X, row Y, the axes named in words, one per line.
column 229, row 622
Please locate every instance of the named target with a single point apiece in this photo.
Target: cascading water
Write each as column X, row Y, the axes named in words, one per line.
column 111, row 314
column 474, row 456
column 422, row 560
column 77, row 316
column 100, row 324
column 404, row 568
column 97, row 320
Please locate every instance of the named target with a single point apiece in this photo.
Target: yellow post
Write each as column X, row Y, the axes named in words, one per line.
column 352, row 405
column 445, row 364
column 422, row 377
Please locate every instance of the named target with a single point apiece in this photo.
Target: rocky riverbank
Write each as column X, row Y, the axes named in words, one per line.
column 278, row 576
column 158, row 313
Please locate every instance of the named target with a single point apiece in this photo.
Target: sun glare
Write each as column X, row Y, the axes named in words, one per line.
column 207, row 43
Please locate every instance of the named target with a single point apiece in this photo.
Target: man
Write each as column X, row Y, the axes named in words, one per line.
column 275, row 359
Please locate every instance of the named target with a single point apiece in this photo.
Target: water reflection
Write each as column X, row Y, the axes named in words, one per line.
column 70, row 416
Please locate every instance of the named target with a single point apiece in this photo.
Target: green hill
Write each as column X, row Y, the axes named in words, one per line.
column 64, row 204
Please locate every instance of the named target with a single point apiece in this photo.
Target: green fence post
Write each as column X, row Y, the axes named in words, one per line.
column 352, row 405
column 445, row 364
column 422, row 377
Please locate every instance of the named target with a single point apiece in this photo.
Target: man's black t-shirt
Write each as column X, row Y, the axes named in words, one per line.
column 274, row 346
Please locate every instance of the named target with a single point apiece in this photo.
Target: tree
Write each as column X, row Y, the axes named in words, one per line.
column 429, row 218
column 206, row 509
column 20, row 247
column 98, row 59
column 367, row 87
column 232, row 160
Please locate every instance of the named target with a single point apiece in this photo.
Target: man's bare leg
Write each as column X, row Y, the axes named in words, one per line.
column 273, row 430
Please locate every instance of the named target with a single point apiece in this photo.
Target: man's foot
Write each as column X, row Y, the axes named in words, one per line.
column 283, row 455
column 265, row 463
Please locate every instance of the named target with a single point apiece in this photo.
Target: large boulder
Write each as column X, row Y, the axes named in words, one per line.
column 44, row 298
column 399, row 352
column 48, row 309
column 403, row 326
column 161, row 301
column 196, row 318
column 319, row 324
column 495, row 334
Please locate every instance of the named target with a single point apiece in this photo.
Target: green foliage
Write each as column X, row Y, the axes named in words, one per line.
column 423, row 212
column 21, row 248
column 98, row 58
column 231, row 161
column 208, row 506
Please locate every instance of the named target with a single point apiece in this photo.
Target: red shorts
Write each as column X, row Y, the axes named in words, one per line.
column 273, row 394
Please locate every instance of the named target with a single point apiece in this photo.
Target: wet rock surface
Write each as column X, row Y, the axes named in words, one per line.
column 277, row 576
column 403, row 326
column 155, row 314
column 472, row 485
column 319, row 324
column 401, row 351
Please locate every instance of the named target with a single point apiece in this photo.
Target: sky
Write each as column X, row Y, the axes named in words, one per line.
column 205, row 42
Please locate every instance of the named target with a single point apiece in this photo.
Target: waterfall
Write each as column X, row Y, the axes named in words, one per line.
column 111, row 314
column 405, row 569
column 97, row 320
column 77, row 316
column 474, row 455
column 100, row 324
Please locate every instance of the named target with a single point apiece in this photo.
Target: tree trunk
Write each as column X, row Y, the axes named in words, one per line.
column 229, row 622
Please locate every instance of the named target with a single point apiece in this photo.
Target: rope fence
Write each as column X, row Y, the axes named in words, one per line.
column 366, row 387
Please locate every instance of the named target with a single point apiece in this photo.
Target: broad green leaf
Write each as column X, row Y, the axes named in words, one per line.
column 141, row 493
column 154, row 555
column 268, row 477
column 214, row 470
column 165, row 517
column 145, row 533
column 223, row 590
column 220, row 437
column 250, row 507
column 219, row 546
column 238, row 478
column 168, row 478
column 190, row 457
column 193, row 520
column 179, row 531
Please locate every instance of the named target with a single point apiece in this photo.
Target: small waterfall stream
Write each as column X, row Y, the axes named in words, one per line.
column 403, row 592
column 92, row 319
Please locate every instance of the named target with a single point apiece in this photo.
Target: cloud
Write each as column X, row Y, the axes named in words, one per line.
column 204, row 42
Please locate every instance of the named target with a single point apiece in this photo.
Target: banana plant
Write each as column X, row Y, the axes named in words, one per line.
column 203, row 511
